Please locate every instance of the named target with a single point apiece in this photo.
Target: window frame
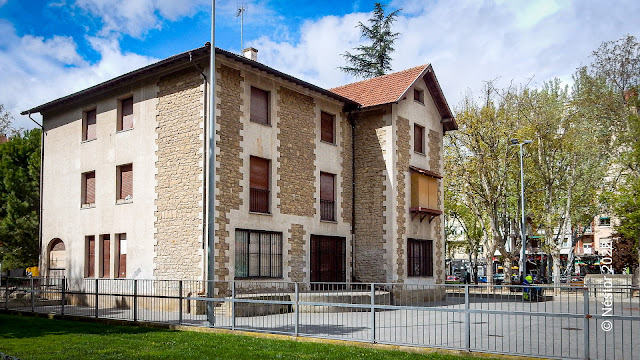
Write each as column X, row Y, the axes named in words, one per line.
column 606, row 223
column 417, row 127
column 85, row 124
column 255, row 192
column 118, row 266
column 119, row 198
column 332, row 212
column 324, row 114
column 425, row 265
column 245, row 257
column 120, row 122
column 84, row 203
column 252, row 105
column 418, row 95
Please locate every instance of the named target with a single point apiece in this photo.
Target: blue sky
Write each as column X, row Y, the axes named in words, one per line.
column 49, row 49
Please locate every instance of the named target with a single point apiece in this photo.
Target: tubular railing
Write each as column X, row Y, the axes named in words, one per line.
column 598, row 321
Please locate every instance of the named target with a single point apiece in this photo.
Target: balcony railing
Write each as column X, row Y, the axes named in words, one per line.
column 259, row 200
column 327, row 210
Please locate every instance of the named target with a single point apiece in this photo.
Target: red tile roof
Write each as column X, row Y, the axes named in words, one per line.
column 382, row 89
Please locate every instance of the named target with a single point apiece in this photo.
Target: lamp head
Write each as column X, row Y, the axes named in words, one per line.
column 528, row 141
column 514, row 141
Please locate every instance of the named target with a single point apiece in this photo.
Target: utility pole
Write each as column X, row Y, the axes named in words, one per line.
column 523, row 230
column 211, row 173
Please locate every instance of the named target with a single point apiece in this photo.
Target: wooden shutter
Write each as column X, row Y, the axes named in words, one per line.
column 259, row 176
column 90, row 187
column 126, row 181
column 106, row 256
column 259, row 106
column 418, row 138
column 91, row 256
column 126, row 122
column 91, row 125
column 327, row 186
column 327, row 123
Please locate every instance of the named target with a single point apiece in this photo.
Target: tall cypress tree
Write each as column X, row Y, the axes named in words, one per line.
column 373, row 59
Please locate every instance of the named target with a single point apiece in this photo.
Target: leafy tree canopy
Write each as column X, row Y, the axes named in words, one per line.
column 19, row 200
column 373, row 59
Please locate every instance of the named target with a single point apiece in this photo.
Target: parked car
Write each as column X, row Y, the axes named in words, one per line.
column 482, row 279
column 452, row 279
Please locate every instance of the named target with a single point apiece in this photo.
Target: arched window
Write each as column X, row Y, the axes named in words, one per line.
column 57, row 258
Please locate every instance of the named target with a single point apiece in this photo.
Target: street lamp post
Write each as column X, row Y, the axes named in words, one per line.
column 523, row 231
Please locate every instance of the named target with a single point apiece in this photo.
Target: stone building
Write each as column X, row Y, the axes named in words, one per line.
column 311, row 184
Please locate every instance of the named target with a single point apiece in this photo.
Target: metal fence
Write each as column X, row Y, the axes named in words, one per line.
column 596, row 321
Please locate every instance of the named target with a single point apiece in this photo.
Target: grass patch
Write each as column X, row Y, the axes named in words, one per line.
column 39, row 338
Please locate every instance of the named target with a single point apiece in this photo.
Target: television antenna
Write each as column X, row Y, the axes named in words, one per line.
column 240, row 13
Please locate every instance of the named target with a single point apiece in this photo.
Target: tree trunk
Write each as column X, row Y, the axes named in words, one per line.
column 507, row 269
column 556, row 268
column 489, row 272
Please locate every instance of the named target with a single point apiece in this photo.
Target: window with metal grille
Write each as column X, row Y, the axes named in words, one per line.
column 125, row 118
column 328, row 258
column 258, row 254
column 418, row 138
column 89, row 188
column 105, row 269
column 327, row 127
column 327, row 197
column 121, row 268
column 259, row 111
column 420, row 257
column 90, row 243
column 259, row 185
column 89, row 125
column 124, row 182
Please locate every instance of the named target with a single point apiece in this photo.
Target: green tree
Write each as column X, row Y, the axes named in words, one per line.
column 373, row 59
column 19, row 200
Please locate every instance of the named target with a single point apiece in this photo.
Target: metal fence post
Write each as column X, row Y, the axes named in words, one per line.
column 587, row 316
column 96, row 295
column 373, row 313
column 297, row 310
column 180, row 302
column 33, row 300
column 135, row 300
column 62, row 296
column 233, row 305
column 467, row 320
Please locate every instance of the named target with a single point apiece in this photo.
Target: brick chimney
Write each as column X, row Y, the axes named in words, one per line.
column 250, row 53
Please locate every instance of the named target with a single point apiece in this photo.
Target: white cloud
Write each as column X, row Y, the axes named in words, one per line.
column 36, row 70
column 135, row 18
column 467, row 42
column 2, row 2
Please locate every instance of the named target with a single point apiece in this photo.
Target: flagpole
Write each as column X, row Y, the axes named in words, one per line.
column 211, row 172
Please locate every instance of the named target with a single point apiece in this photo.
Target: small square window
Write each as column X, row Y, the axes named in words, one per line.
column 418, row 95
column 125, row 114
column 604, row 221
column 259, row 112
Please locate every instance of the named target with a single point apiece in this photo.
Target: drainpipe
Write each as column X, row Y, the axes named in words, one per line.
column 204, row 164
column 40, row 262
column 353, row 196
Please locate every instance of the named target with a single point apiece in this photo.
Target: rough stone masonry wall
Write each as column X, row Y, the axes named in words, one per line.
column 296, row 170
column 178, row 226
column 297, row 147
column 229, row 157
column 370, row 243
column 403, row 147
column 435, row 148
column 346, row 153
